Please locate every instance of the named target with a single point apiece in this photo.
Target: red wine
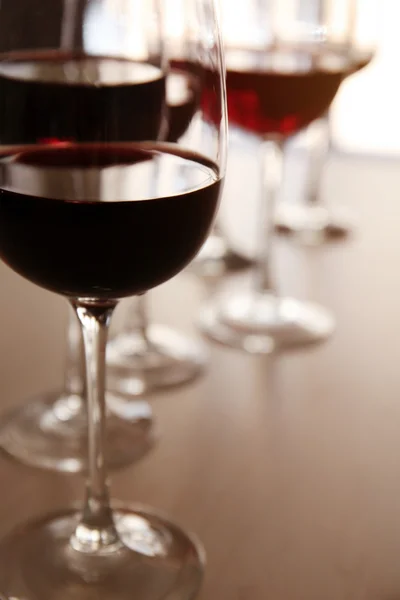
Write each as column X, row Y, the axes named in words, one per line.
column 46, row 96
column 282, row 90
column 183, row 97
column 104, row 221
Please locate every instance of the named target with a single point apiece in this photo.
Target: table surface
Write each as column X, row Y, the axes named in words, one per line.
column 287, row 467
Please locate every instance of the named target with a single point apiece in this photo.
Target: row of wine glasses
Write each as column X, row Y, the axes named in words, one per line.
column 50, row 431
column 96, row 205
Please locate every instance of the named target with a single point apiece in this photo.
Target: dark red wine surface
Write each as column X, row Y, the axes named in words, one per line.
column 282, row 90
column 104, row 221
column 48, row 96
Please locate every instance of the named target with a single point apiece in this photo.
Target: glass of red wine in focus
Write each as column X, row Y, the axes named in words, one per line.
column 285, row 64
column 312, row 221
column 145, row 357
column 80, row 218
column 50, row 430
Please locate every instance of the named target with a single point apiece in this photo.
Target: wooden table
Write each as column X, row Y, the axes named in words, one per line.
column 287, row 467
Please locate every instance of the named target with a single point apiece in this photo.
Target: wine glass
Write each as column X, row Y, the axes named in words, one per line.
column 285, row 62
column 145, row 357
column 125, row 242
column 50, row 430
column 313, row 222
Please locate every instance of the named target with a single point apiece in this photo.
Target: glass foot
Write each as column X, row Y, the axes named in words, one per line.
column 164, row 359
column 51, row 432
column 216, row 257
column 157, row 561
column 262, row 324
column 312, row 224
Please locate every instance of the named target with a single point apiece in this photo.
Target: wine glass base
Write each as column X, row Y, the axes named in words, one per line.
column 265, row 324
column 165, row 359
column 158, row 561
column 50, row 432
column 311, row 224
column 216, row 258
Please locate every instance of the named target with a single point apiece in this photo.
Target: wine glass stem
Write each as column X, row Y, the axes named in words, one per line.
column 73, row 373
column 216, row 229
column 317, row 156
column 137, row 321
column 96, row 530
column 72, row 24
column 271, row 164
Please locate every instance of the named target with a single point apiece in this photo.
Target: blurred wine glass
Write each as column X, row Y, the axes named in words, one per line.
column 286, row 60
column 145, row 357
column 50, row 430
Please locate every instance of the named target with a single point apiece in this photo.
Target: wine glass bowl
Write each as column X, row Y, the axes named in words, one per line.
column 313, row 222
column 137, row 228
column 304, row 80
column 96, row 220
